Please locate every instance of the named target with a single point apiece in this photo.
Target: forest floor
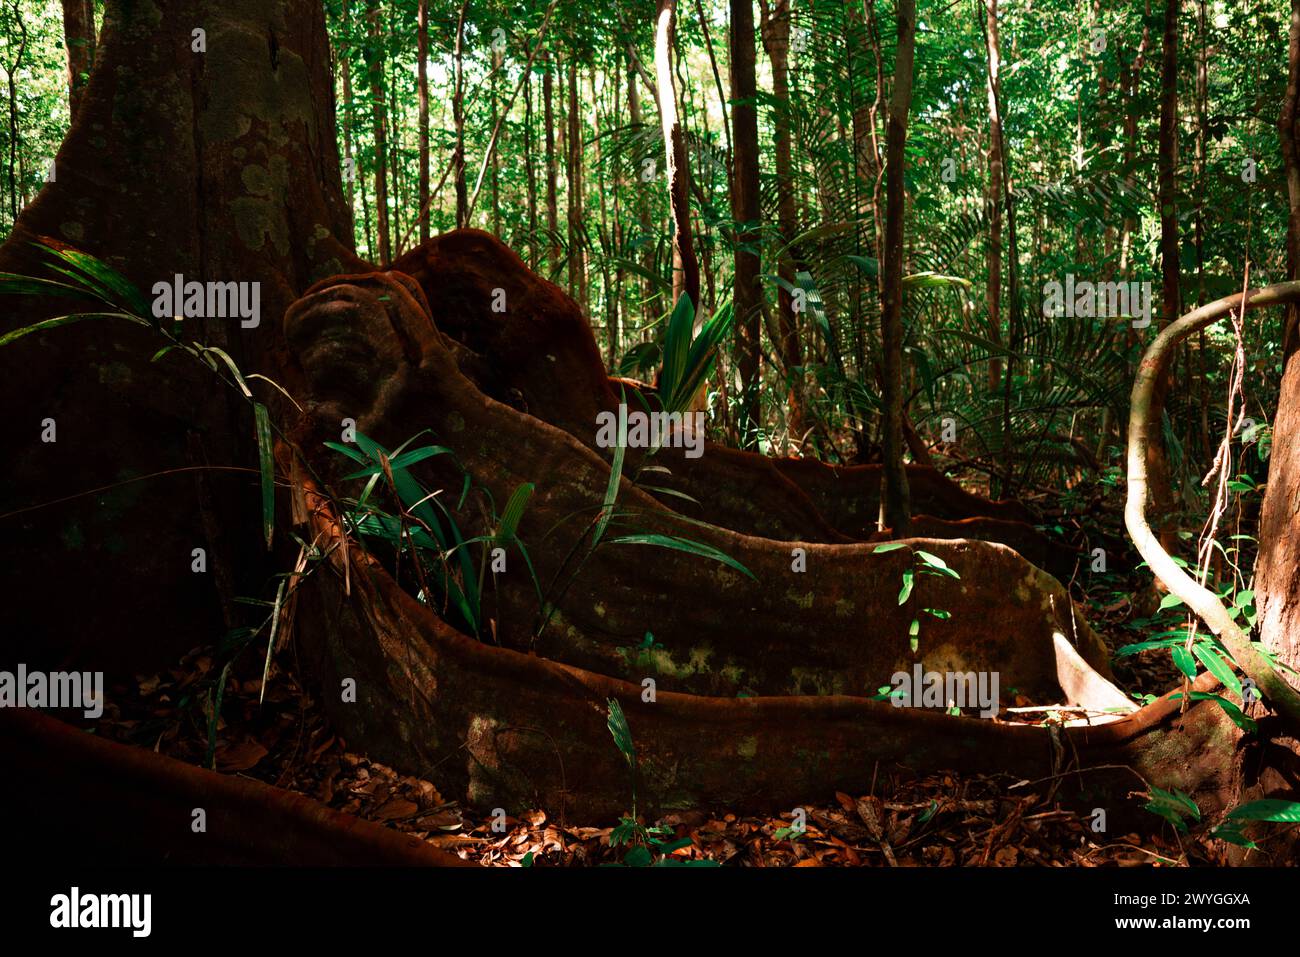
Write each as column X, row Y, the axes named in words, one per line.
column 936, row 820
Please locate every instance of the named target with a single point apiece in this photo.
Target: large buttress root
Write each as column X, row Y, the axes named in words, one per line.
column 526, row 343
column 369, row 353
column 517, row 731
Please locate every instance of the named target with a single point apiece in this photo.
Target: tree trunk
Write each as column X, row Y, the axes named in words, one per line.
column 993, row 288
column 747, row 295
column 15, row 132
column 775, row 29
column 345, row 69
column 422, row 94
column 375, row 71
column 1162, row 493
column 79, row 39
column 531, row 167
column 1278, row 568
column 1289, row 135
column 642, row 209
column 238, row 180
column 896, row 506
column 458, row 119
column 686, row 268
column 573, row 173
column 552, row 173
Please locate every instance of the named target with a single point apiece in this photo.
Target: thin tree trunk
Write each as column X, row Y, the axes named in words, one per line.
column 1162, row 493
column 375, row 65
column 896, row 504
column 396, row 124
column 686, row 269
column 498, row 58
column 746, row 211
column 993, row 287
column 606, row 236
column 15, row 134
column 642, row 209
column 552, row 173
column 422, row 95
column 79, row 40
column 618, row 235
column 573, row 171
column 775, row 29
column 529, row 164
column 458, row 118
column 1289, row 134
column 345, row 66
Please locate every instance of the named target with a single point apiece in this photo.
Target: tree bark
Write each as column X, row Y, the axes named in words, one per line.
column 79, row 40
column 686, row 268
column 573, row 170
column 458, row 119
column 238, row 180
column 1289, row 136
column 422, row 94
column 747, row 295
column 993, row 287
column 775, row 30
column 897, row 511
column 1162, row 492
column 379, row 123
column 531, row 166
column 1277, row 582
column 15, row 131
column 552, row 174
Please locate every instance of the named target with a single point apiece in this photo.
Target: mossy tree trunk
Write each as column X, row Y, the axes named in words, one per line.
column 204, row 145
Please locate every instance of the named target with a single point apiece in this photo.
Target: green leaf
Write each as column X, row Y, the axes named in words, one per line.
column 215, row 718
column 41, row 326
column 100, row 276
column 906, row 591
column 1217, row 666
column 514, row 511
column 230, row 364
column 934, row 561
column 684, row 545
column 270, row 642
column 266, row 464
column 638, row 856
column 615, row 477
column 1183, row 660
column 1234, row 713
column 622, row 734
column 349, row 451
column 1268, row 809
column 1169, row 601
column 1231, row 832
column 889, row 547
column 1133, row 649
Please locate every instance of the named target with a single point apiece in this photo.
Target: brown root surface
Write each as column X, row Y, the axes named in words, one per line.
column 516, row 731
column 538, row 355
column 524, row 726
column 369, row 353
